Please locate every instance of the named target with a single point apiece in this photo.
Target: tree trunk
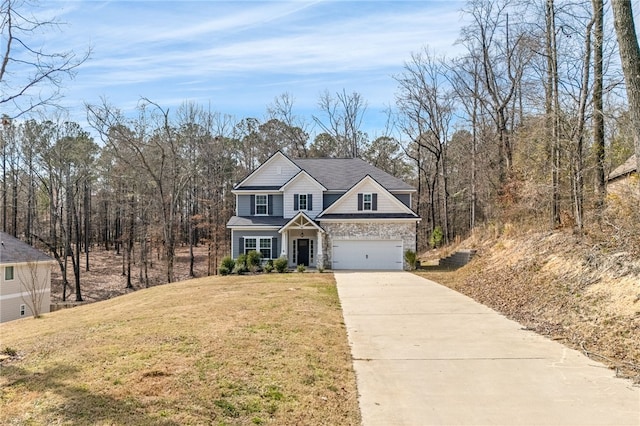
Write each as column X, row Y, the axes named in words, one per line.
column 630, row 59
column 598, row 116
column 551, row 106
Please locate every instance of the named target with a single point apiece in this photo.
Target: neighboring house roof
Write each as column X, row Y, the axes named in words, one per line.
column 241, row 221
column 623, row 169
column 343, row 173
column 12, row 250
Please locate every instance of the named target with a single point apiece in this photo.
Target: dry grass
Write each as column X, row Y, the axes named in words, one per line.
column 266, row 349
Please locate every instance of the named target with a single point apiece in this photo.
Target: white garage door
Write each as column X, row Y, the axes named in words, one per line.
column 377, row 254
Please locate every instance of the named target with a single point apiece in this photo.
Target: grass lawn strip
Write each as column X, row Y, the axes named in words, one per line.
column 264, row 349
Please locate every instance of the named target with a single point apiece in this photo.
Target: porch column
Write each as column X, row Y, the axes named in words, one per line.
column 320, row 254
column 285, row 243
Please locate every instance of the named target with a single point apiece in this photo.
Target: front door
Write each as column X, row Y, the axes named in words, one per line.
column 303, row 252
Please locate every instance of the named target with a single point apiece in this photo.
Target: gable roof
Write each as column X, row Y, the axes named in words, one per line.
column 275, row 155
column 343, row 173
column 299, row 175
column 301, row 219
column 12, row 250
column 625, row 168
column 354, row 189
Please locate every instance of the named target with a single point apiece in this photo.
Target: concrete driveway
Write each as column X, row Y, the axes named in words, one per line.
column 426, row 355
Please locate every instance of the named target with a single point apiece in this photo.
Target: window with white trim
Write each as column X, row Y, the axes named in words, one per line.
column 311, row 251
column 23, row 310
column 367, row 202
column 250, row 244
column 262, row 204
column 265, row 248
column 295, row 252
column 302, row 201
column 260, row 244
column 8, row 273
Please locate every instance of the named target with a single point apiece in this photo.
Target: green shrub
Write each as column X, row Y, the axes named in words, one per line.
column 301, row 268
column 228, row 263
column 254, row 259
column 268, row 268
column 436, row 237
column 411, row 258
column 320, row 268
column 241, row 264
column 281, row 264
column 223, row 270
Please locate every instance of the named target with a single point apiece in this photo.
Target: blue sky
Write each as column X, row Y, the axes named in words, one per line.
column 236, row 57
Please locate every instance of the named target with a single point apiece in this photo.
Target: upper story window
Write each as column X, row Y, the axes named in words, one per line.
column 367, row 200
column 262, row 204
column 303, row 202
column 8, row 273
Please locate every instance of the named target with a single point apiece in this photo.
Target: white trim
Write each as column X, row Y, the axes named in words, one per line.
column 257, row 248
column 370, row 194
column 4, row 273
column 23, row 294
column 266, row 205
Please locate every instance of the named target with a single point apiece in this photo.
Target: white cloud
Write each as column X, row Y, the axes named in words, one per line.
column 247, row 52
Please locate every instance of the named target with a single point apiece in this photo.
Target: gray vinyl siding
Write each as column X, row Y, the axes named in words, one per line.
column 236, row 235
column 405, row 198
column 329, row 199
column 244, row 205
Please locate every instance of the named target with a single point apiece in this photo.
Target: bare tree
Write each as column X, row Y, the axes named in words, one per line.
column 598, row 113
column 35, row 280
column 29, row 76
column 344, row 114
column 295, row 134
column 427, row 99
column 630, row 59
column 504, row 55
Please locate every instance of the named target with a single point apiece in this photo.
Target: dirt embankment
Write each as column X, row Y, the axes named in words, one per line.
column 570, row 288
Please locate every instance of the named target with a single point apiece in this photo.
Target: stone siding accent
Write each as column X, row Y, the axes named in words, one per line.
column 368, row 231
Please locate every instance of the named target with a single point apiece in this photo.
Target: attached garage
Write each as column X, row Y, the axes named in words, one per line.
column 367, row 254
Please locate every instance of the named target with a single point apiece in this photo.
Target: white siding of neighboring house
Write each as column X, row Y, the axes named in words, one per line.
column 302, row 185
column 387, row 203
column 276, row 172
column 15, row 292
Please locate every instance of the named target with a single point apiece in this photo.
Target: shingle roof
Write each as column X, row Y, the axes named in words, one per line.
column 257, row 221
column 624, row 168
column 12, row 250
column 343, row 173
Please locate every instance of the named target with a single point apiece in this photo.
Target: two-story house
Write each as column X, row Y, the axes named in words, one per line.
column 338, row 213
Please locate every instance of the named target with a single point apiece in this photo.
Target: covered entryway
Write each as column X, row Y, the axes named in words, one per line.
column 367, row 254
